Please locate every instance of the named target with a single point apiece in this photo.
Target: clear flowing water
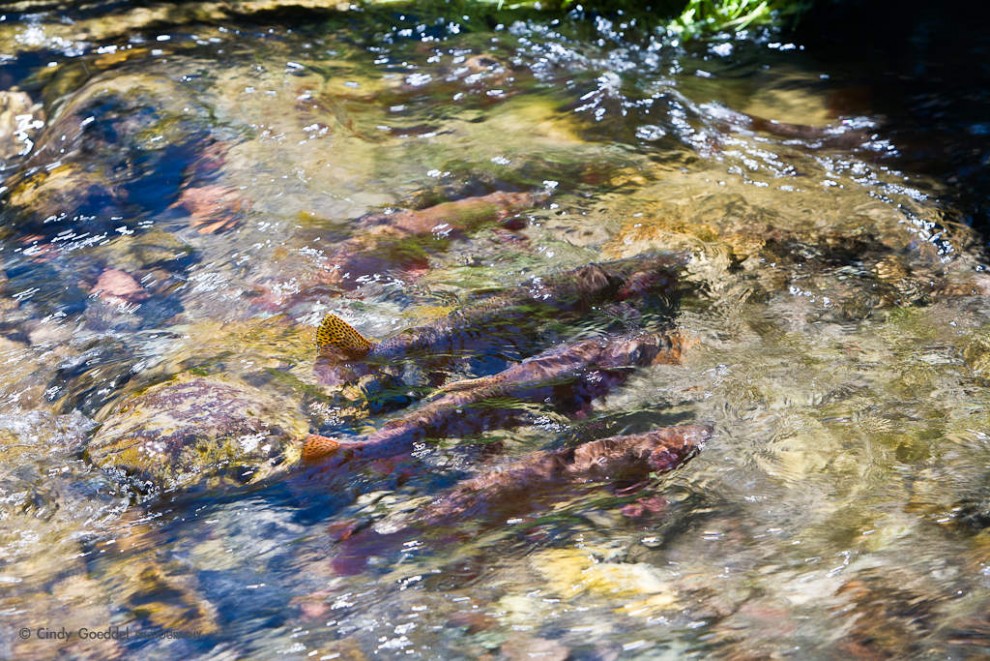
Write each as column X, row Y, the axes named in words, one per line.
column 177, row 184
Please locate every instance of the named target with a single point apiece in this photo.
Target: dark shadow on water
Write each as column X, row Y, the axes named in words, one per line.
column 925, row 67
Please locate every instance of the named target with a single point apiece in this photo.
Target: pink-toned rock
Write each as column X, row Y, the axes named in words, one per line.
column 116, row 286
column 212, row 208
column 522, row 648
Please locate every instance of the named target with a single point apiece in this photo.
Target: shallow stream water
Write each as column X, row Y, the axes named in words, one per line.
column 174, row 179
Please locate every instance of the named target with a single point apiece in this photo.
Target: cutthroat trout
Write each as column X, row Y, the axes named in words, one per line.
column 524, row 486
column 493, row 331
column 568, row 377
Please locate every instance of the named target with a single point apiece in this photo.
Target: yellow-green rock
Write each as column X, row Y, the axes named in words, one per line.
column 635, row 588
column 188, row 431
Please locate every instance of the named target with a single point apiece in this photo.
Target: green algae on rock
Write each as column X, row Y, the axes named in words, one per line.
column 189, row 431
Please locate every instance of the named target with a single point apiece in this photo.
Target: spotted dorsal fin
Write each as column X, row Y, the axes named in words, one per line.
column 317, row 447
column 337, row 336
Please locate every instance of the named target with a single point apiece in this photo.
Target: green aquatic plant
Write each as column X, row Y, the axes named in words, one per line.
column 695, row 19
column 707, row 17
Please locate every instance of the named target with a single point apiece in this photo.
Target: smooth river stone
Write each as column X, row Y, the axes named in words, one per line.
column 186, row 432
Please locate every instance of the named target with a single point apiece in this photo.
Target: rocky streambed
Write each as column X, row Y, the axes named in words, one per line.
column 559, row 261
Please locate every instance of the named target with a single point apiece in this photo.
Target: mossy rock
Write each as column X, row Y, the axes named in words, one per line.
column 197, row 432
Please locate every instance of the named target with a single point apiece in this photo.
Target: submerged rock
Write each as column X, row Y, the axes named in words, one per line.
column 190, row 431
column 890, row 615
column 523, row 648
column 166, row 597
column 211, row 207
column 113, row 150
column 573, row 573
column 20, row 120
column 116, row 286
column 141, row 253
